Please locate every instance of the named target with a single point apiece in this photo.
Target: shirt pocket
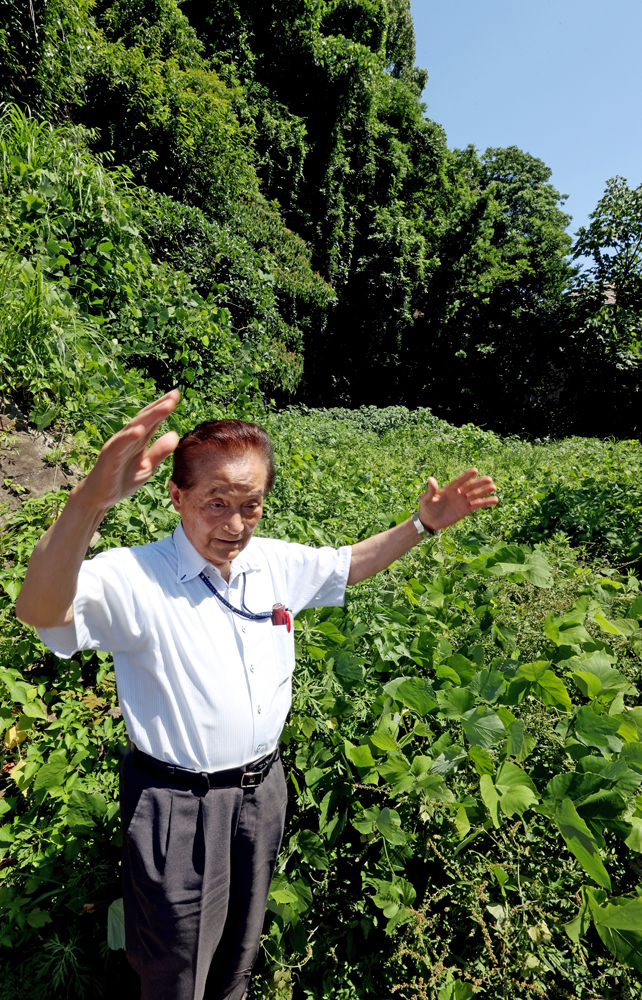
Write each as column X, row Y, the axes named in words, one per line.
column 283, row 643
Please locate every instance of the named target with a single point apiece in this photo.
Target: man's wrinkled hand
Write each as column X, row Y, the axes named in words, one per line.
column 439, row 508
column 126, row 462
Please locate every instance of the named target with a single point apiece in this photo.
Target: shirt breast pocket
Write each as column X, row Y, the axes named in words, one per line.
column 283, row 643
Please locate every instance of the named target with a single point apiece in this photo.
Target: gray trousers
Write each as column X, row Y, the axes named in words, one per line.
column 197, row 867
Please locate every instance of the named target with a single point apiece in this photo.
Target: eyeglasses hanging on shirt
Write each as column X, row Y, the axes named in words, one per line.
column 279, row 614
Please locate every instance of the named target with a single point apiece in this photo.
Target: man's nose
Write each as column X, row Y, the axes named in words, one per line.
column 234, row 524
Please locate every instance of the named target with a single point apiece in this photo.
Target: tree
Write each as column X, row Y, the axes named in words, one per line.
column 613, row 239
column 605, row 316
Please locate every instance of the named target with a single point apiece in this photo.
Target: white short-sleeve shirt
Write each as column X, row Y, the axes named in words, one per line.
column 198, row 685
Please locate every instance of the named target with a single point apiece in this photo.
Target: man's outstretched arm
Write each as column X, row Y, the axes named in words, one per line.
column 125, row 463
column 437, row 509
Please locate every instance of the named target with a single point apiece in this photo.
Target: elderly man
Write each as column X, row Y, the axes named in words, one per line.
column 200, row 627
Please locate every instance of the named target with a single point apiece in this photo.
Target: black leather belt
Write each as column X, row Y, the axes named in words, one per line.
column 247, row 776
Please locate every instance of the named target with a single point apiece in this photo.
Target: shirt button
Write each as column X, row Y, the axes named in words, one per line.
column 242, row 628
column 251, row 670
column 259, row 709
column 259, row 748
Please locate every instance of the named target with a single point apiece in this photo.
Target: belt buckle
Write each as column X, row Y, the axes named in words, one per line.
column 254, row 778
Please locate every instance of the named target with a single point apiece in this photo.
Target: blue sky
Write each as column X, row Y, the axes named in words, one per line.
column 562, row 80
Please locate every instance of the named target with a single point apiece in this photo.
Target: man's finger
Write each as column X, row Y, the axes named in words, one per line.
column 480, row 487
column 136, row 435
column 160, row 449
column 432, row 487
column 464, row 478
column 170, row 399
column 483, row 502
column 156, row 412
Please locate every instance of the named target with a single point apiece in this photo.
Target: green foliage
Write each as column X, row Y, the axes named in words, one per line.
column 308, row 116
column 260, row 273
column 80, row 266
column 465, row 745
column 464, row 749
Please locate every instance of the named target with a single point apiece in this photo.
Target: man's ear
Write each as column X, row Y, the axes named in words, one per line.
column 175, row 495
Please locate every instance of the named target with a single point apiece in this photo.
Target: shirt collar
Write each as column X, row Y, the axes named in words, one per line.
column 190, row 563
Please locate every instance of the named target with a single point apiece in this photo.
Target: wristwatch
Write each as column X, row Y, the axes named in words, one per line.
column 421, row 527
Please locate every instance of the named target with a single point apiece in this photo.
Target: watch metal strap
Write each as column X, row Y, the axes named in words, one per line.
column 421, row 528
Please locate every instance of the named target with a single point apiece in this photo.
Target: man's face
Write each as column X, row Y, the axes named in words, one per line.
column 222, row 510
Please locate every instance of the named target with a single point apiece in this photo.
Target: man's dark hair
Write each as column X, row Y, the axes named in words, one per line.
column 229, row 438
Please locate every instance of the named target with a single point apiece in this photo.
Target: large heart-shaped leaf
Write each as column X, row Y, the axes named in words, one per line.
column 483, row 727
column 597, row 730
column 388, row 823
column 417, row 695
column 360, row 756
column 51, row 774
column 516, row 790
column 619, row 924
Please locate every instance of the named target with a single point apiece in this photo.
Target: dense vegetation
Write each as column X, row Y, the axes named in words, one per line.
column 290, row 172
column 464, row 752
column 247, row 201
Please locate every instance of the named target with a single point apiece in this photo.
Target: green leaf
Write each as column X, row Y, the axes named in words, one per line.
column 331, row 632
column 417, row 695
column 634, row 839
column 515, row 740
column 488, row 684
column 38, row 918
column 632, row 754
column 456, row 990
column 581, row 842
column 396, row 771
column 51, row 774
column 384, row 741
column 421, row 765
column 360, row 756
column 597, row 730
column 483, row 727
column 449, row 760
column 528, row 746
column 34, row 710
column 455, row 702
column 312, row 849
column 434, row 788
column 588, row 683
column 537, row 570
column 364, row 822
column 579, row 925
column 349, row 670
column 394, row 898
column 516, row 790
column 565, row 633
column 481, row 760
column 389, row 824
column 619, row 925
column 545, row 684
column 462, row 823
column 463, row 667
column 490, row 798
column 116, row 925
column 85, row 808
column 619, row 626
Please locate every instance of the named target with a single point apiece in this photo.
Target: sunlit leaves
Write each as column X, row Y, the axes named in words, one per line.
column 581, row 842
column 483, row 727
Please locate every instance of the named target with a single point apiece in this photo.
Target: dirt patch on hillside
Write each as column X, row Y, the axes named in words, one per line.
column 26, row 466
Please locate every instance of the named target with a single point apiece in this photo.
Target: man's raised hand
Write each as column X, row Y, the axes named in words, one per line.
column 439, row 508
column 125, row 462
